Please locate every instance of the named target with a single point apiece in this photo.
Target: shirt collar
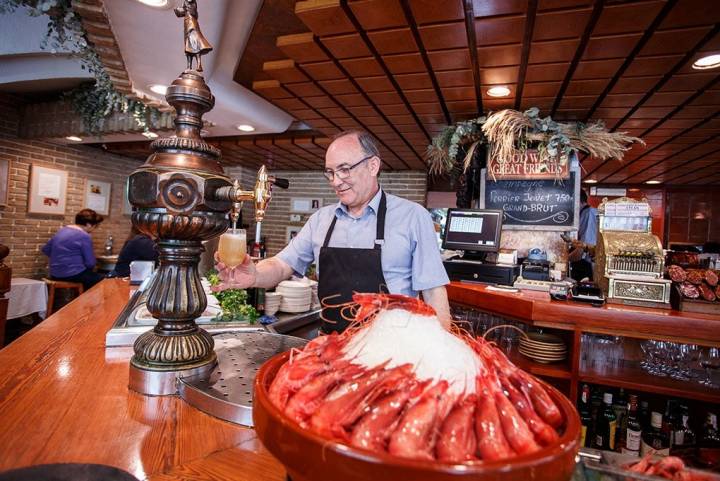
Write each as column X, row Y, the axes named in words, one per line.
column 374, row 205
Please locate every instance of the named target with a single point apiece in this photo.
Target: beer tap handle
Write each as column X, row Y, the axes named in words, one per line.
column 279, row 182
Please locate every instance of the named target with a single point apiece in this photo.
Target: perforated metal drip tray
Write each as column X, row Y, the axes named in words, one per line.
column 228, row 393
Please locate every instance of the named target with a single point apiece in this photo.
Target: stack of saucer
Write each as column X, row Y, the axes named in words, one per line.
column 543, row 347
column 296, row 296
column 314, row 287
column 272, row 302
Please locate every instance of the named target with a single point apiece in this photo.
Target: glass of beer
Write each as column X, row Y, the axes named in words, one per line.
column 233, row 247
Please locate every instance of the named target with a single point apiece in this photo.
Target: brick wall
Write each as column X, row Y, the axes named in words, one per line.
column 311, row 184
column 26, row 233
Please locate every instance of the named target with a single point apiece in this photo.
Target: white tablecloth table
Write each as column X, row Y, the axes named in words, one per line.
column 27, row 296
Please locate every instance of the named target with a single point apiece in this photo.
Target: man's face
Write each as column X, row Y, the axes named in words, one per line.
column 361, row 183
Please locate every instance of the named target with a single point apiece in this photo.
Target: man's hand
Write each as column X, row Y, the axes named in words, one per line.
column 240, row 277
column 576, row 252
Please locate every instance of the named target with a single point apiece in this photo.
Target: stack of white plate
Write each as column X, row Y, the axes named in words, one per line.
column 272, row 302
column 315, row 301
column 543, row 348
column 296, row 296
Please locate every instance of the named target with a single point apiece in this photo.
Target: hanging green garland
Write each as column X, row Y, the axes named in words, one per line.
column 93, row 103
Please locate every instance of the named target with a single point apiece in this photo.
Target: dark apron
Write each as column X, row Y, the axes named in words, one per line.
column 344, row 271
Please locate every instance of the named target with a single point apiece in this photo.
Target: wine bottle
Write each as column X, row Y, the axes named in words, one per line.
column 620, row 407
column 586, row 433
column 633, row 429
column 644, row 415
column 607, row 425
column 654, row 440
column 669, row 421
column 710, row 436
column 684, row 436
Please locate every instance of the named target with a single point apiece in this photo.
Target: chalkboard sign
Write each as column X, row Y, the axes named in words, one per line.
column 534, row 204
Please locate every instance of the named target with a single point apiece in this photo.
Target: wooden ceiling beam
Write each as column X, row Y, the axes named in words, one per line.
column 594, row 17
column 410, row 19
column 661, row 144
column 469, row 12
column 525, row 53
column 647, row 35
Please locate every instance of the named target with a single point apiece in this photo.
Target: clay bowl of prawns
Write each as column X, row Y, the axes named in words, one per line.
column 398, row 397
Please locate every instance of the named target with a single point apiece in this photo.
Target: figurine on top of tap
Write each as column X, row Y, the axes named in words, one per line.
column 196, row 45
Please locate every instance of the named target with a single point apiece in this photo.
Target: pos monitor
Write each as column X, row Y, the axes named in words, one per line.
column 475, row 231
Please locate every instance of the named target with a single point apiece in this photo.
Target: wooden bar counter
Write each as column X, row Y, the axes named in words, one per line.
column 571, row 320
column 63, row 398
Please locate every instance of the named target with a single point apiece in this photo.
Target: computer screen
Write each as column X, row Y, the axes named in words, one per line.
column 473, row 230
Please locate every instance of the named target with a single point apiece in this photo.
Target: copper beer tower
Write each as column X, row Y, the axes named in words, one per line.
column 182, row 197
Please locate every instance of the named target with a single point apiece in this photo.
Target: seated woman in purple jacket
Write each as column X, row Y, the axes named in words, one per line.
column 71, row 251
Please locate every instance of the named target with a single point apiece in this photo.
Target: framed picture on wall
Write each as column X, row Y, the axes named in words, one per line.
column 48, row 191
column 4, row 181
column 305, row 205
column 291, row 231
column 97, row 196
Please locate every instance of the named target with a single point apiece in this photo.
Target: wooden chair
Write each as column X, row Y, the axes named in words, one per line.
column 52, row 285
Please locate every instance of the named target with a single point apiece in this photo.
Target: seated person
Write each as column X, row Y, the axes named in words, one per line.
column 138, row 247
column 71, row 251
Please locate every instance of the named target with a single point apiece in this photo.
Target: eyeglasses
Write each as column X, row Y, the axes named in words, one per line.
column 343, row 172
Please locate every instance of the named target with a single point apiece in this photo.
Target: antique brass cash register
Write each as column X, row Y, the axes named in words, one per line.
column 629, row 262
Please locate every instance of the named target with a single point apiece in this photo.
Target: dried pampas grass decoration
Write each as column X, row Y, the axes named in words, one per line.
column 502, row 129
column 595, row 140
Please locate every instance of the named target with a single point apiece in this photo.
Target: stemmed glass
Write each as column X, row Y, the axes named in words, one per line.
column 710, row 360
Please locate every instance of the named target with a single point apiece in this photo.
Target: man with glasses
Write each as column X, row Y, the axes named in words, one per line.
column 369, row 241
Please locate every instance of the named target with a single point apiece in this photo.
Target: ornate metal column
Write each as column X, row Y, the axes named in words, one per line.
column 174, row 196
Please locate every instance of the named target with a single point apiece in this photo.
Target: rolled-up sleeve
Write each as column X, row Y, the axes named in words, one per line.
column 427, row 267
column 299, row 254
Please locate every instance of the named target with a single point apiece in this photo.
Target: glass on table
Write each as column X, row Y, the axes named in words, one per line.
column 232, row 248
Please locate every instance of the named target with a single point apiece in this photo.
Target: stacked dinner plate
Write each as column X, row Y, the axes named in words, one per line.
column 543, row 347
column 296, row 296
column 272, row 303
column 315, row 301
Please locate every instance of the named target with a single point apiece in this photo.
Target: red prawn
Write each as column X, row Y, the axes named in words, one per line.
column 457, row 441
column 491, row 441
column 544, row 434
column 306, row 401
column 365, row 306
column 416, row 433
column 343, row 410
column 373, row 430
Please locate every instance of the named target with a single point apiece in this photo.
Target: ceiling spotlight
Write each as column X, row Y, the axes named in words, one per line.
column 246, row 128
column 590, row 181
column 652, row 181
column 498, row 92
column 204, row 133
column 73, row 138
column 158, row 89
column 154, row 3
column 707, row 62
column 150, row 135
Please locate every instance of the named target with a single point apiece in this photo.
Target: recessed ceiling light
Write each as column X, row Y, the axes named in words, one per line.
column 498, row 92
column 707, row 62
column 652, row 181
column 73, row 138
column 150, row 135
column 204, row 133
column 158, row 89
column 246, row 128
column 154, row 3
column 590, row 181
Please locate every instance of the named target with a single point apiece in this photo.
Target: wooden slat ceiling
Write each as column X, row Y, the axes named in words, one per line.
column 403, row 69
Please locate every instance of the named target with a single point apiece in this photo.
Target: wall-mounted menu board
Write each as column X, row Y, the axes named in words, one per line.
column 534, row 204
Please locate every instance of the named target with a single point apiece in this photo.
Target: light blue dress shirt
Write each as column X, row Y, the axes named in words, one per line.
column 411, row 259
